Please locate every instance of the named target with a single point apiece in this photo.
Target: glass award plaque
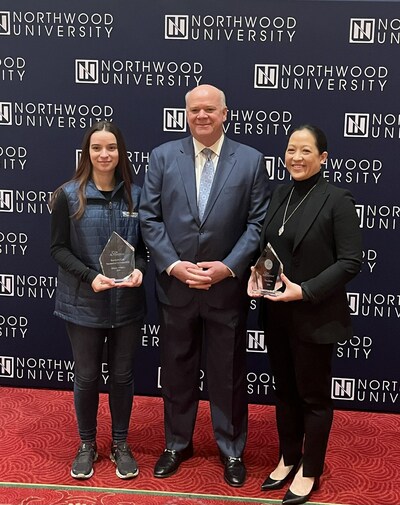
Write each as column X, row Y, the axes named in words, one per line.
column 268, row 270
column 117, row 260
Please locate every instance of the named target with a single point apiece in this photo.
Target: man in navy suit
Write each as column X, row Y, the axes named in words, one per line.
column 202, row 268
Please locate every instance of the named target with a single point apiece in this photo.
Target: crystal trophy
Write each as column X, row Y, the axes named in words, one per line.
column 268, row 270
column 117, row 260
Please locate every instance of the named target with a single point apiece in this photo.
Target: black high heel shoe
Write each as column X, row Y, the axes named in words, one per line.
column 294, row 499
column 269, row 484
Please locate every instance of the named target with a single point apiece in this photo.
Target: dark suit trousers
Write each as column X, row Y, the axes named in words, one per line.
column 222, row 333
column 304, row 410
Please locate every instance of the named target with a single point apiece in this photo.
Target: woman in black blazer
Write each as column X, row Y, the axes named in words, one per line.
column 314, row 229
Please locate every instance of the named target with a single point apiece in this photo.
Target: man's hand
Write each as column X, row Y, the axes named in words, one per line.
column 192, row 275
column 200, row 276
column 208, row 273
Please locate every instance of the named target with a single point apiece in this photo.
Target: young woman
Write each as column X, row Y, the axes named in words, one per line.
column 99, row 199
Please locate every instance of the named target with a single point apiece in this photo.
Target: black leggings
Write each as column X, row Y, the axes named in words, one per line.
column 87, row 347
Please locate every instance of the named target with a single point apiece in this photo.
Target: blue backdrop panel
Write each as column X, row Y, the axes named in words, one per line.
column 65, row 64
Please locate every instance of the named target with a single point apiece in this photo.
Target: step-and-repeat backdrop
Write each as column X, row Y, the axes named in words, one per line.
column 65, row 64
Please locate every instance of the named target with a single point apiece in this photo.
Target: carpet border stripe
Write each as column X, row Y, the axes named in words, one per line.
column 233, row 499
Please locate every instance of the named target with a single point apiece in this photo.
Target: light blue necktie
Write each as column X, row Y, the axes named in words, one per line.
column 206, row 179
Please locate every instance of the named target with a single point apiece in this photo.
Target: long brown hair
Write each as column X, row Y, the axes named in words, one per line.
column 84, row 170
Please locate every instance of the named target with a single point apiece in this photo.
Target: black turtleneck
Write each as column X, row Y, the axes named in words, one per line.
column 283, row 244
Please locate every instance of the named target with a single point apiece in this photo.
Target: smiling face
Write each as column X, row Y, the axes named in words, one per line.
column 103, row 151
column 302, row 157
column 206, row 113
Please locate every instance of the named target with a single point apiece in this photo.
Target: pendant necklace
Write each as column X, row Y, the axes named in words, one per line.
column 286, row 219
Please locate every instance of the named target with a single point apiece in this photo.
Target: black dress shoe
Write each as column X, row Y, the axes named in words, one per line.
column 169, row 461
column 235, row 471
column 294, row 499
column 270, row 483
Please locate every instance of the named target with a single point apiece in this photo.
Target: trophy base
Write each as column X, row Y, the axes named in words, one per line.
column 269, row 292
column 122, row 280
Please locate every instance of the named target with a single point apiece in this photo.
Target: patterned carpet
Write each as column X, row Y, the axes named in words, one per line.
column 39, row 440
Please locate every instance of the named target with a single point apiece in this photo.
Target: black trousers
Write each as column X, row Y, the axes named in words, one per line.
column 304, row 408
column 87, row 347
column 184, row 333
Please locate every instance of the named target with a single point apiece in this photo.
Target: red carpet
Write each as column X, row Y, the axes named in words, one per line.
column 39, row 440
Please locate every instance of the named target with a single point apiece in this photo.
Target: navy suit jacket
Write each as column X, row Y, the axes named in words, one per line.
column 326, row 254
column 230, row 228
